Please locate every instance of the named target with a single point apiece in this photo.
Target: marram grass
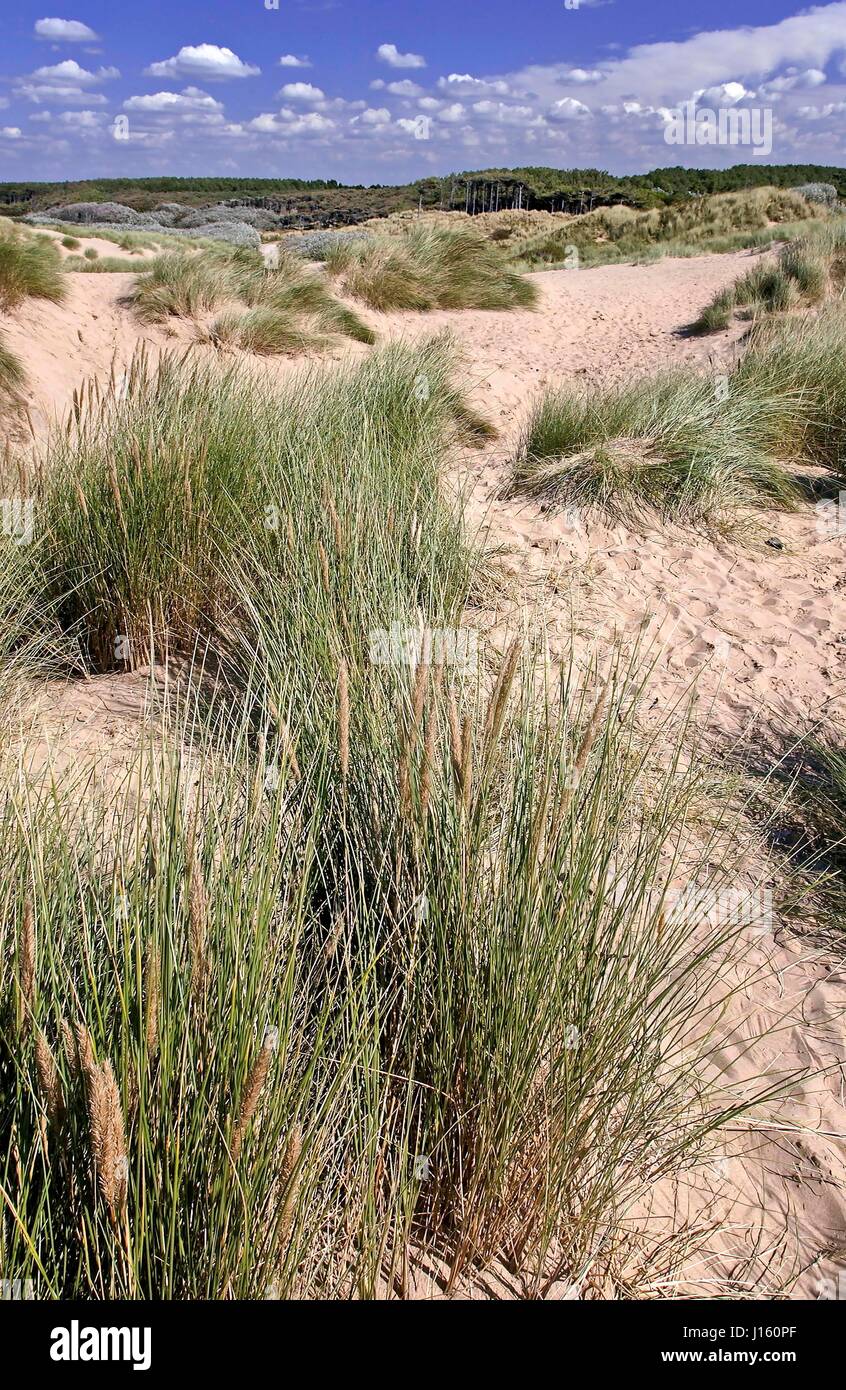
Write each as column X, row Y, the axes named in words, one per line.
column 412, row 994
column 429, row 267
column 152, row 497
column 361, row 962
column 30, row 266
column 290, row 305
column 670, row 444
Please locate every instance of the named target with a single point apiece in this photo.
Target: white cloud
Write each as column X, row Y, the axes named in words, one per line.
column 389, row 53
column 34, row 91
column 583, row 75
column 792, row 80
column 504, row 114
column 70, row 72
column 289, row 122
column 64, row 31
column 821, row 113
column 83, row 120
column 266, row 123
column 668, row 72
column 203, row 60
column 374, row 116
column 66, row 82
column 722, row 94
column 301, row 91
column 10, row 132
column 290, row 60
column 452, row 113
column 405, row 88
column 567, row 109
column 463, row 84
column 189, row 99
column 312, row 123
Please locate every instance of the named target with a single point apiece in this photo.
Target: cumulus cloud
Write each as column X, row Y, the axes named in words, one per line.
column 189, row 99
column 581, row 75
column 38, row 92
column 389, row 53
column 464, row 84
column 504, row 113
column 373, row 116
column 666, row 73
column 722, row 94
column 66, row 82
column 82, row 120
column 290, row 60
column 64, row 31
column 203, row 60
column 567, row 109
column 792, row 80
column 10, row 132
column 292, row 123
column 821, row 113
column 61, row 74
column 405, row 88
column 301, row 91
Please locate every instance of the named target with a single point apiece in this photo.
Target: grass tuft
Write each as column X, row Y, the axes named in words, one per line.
column 429, row 267
column 12, row 375
column 665, row 444
column 289, row 304
column 29, row 266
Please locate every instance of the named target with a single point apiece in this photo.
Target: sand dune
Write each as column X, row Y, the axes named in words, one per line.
column 760, row 626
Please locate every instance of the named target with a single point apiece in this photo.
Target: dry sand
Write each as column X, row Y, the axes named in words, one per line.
column 761, row 628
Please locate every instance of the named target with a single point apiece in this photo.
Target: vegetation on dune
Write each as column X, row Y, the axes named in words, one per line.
column 374, row 1004
column 264, row 331
column 676, row 444
column 429, row 267
column 809, row 268
column 820, row 798
column 378, row 957
column 373, row 957
column 12, row 374
column 182, row 285
column 71, row 243
column 29, row 266
column 800, row 363
column 147, row 499
column 668, row 443
column 723, row 222
column 290, row 304
column 104, row 265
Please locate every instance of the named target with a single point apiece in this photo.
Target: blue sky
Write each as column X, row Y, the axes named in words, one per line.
column 371, row 91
